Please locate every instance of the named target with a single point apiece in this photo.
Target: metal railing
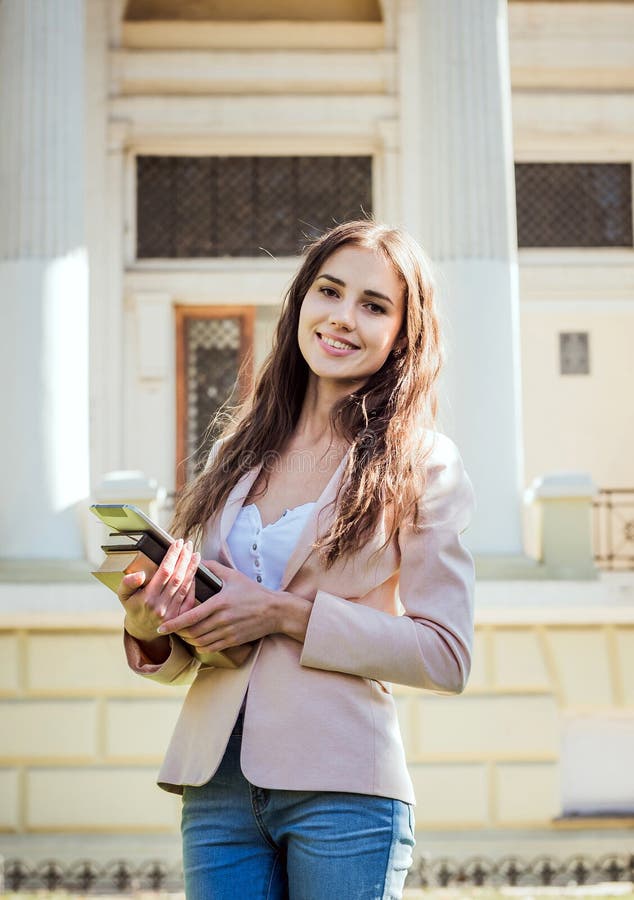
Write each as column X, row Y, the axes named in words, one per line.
column 543, row 871
column 613, row 529
column 122, row 876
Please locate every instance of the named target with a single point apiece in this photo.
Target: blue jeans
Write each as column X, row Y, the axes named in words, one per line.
column 242, row 842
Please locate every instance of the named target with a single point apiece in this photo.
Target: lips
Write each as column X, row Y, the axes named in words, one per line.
column 336, row 343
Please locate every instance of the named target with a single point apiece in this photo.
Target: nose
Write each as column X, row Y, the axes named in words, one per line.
column 342, row 316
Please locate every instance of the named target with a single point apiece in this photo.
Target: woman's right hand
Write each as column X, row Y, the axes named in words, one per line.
column 167, row 593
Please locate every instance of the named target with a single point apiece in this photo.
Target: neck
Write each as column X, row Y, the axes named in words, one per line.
column 314, row 426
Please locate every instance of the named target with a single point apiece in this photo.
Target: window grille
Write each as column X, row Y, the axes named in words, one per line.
column 209, row 206
column 574, row 204
column 574, row 353
column 212, row 345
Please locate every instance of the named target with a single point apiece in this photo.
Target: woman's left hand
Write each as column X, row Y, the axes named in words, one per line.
column 243, row 611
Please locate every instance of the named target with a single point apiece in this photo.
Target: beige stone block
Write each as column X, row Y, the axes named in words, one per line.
column 83, row 663
column 96, row 799
column 580, row 659
column 491, row 727
column 450, row 795
column 625, row 649
column 9, row 663
column 526, row 793
column 140, row 727
column 9, row 799
column 518, row 660
column 478, row 679
column 597, row 750
column 48, row 728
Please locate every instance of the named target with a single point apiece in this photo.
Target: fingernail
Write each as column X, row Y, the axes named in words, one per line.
column 161, row 629
column 189, row 545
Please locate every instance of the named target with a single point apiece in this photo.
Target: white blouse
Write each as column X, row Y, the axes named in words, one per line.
column 261, row 552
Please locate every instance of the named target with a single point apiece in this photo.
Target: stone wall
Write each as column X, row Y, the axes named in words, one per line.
column 82, row 737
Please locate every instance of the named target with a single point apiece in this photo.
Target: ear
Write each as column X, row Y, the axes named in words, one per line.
column 400, row 344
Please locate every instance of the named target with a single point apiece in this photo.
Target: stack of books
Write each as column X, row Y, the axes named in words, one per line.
column 139, row 551
column 130, row 553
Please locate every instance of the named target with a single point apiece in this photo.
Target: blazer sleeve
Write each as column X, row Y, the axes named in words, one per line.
column 179, row 668
column 430, row 645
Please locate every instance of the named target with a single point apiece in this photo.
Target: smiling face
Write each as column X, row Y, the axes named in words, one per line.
column 351, row 316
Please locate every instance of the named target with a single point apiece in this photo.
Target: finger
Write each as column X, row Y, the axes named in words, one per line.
column 211, row 623
column 215, row 644
column 177, row 578
column 130, row 584
column 213, row 637
column 190, row 579
column 168, row 563
column 187, row 588
column 190, row 600
column 187, row 619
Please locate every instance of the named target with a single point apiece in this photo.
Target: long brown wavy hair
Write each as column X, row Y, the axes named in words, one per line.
column 383, row 422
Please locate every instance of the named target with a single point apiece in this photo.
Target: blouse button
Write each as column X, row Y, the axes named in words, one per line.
column 257, row 563
column 255, row 546
column 258, row 578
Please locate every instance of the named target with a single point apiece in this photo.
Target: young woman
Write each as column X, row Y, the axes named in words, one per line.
column 332, row 512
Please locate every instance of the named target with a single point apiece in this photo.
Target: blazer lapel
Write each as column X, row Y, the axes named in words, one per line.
column 232, row 507
column 318, row 522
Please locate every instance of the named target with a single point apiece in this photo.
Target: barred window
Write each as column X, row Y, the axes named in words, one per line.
column 208, row 206
column 574, row 353
column 574, row 204
column 212, row 345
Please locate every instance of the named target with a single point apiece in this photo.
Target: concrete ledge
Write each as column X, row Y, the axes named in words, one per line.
column 84, row 603
column 38, row 571
column 457, row 845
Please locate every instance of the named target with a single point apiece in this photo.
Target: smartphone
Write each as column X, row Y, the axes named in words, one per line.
column 129, row 519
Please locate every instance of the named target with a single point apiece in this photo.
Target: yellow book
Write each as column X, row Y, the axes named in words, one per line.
column 120, row 563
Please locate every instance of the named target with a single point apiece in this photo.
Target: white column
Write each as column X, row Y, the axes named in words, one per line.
column 387, row 186
column 43, row 279
column 459, row 201
column 103, row 169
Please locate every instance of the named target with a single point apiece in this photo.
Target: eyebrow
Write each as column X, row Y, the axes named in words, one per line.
column 368, row 292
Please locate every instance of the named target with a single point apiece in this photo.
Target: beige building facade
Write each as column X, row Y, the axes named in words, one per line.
column 447, row 99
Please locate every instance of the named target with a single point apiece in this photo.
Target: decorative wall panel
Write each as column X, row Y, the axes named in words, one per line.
column 195, row 206
column 574, row 204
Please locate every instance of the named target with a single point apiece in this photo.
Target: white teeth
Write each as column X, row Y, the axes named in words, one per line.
column 338, row 345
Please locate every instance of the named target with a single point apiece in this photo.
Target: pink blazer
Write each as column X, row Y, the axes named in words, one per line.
column 321, row 716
